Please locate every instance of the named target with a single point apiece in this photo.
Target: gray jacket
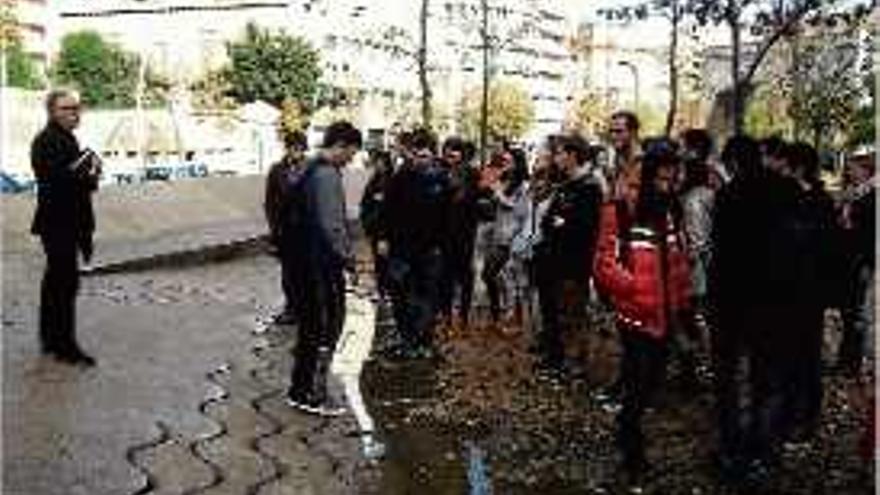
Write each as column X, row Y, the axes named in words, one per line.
column 329, row 242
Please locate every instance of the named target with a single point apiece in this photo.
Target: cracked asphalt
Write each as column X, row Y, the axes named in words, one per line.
column 187, row 397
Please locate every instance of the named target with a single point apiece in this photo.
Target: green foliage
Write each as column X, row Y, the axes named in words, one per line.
column 828, row 86
column 104, row 74
column 767, row 113
column 863, row 131
column 292, row 118
column 511, row 112
column 589, row 114
column 272, row 67
column 21, row 70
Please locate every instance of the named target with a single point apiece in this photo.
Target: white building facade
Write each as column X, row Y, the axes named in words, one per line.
column 367, row 48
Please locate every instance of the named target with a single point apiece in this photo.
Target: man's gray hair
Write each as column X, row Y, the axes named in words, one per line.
column 56, row 94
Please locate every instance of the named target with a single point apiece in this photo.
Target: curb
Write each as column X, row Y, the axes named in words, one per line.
column 212, row 253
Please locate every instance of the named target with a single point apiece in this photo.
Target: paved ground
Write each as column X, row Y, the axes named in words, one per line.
column 186, row 399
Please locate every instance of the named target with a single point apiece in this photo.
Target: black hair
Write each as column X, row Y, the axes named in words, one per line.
column 632, row 121
column 804, row 158
column 742, row 156
column 342, row 133
column 775, row 147
column 576, row 144
column 519, row 172
column 652, row 208
column 421, row 139
column 455, row 143
column 297, row 139
column 698, row 140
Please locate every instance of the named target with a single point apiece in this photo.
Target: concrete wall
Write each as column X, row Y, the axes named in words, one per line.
column 159, row 217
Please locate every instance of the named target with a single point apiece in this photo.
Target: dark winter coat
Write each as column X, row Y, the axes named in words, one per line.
column 417, row 205
column 64, row 198
column 570, row 227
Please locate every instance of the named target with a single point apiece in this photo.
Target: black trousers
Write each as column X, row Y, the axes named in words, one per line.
column 552, row 279
column 320, row 309
column 416, row 282
column 58, row 294
column 287, row 281
column 496, row 259
column 641, row 371
column 458, row 276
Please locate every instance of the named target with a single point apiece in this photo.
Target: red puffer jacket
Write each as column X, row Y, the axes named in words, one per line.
column 629, row 269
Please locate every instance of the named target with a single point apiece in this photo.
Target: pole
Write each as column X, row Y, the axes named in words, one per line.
column 4, row 109
column 484, row 109
column 635, row 73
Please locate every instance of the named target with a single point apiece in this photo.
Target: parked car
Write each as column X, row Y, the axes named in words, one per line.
column 10, row 184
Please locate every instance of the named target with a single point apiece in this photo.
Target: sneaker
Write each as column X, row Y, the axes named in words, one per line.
column 316, row 408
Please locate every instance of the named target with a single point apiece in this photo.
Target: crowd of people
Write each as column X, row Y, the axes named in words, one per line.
column 737, row 253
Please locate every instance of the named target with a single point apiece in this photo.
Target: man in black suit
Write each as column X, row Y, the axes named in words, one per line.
column 64, row 220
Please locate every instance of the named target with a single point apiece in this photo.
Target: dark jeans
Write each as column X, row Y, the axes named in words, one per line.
column 858, row 318
column 287, row 282
column 728, row 352
column 551, row 280
column 496, row 259
column 641, row 372
column 380, row 268
column 782, row 345
column 58, row 295
column 459, row 276
column 416, row 292
column 320, row 310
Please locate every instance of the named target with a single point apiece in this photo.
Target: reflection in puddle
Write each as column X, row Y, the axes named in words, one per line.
column 477, row 472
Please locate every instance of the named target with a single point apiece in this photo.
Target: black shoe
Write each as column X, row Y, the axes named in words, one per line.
column 285, row 318
column 76, row 358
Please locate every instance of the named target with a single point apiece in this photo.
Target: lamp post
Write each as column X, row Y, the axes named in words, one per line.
column 635, row 73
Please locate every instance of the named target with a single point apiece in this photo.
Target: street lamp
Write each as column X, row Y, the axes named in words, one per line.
column 635, row 73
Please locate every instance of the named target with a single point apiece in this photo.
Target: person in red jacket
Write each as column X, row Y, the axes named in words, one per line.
column 641, row 264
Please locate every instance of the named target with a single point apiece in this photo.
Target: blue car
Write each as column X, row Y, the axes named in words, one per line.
column 9, row 184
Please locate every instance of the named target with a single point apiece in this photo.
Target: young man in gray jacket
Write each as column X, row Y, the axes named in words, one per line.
column 319, row 247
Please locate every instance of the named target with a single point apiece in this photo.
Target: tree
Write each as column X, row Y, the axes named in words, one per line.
column 423, row 65
column 271, row 67
column 292, row 117
column 674, row 12
column 768, row 21
column 589, row 114
column 104, row 74
column 21, row 70
column 511, row 112
column 211, row 92
column 826, row 85
column 864, row 127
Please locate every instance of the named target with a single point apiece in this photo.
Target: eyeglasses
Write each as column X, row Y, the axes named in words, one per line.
column 67, row 108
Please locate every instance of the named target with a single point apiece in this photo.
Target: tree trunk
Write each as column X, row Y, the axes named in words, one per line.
column 796, row 99
column 738, row 112
column 673, row 70
column 484, row 108
column 423, row 65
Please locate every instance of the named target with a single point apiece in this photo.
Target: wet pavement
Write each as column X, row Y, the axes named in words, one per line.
column 188, row 398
